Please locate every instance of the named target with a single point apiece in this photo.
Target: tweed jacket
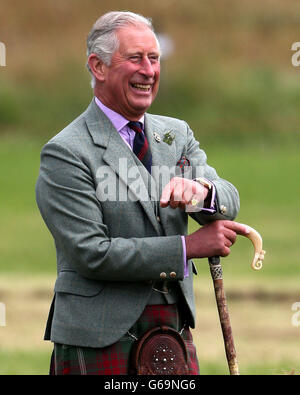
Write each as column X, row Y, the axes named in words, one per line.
column 111, row 236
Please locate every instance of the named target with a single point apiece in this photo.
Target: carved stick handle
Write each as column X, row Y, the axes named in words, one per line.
column 259, row 253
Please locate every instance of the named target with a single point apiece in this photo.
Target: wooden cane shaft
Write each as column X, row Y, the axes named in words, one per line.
column 226, row 326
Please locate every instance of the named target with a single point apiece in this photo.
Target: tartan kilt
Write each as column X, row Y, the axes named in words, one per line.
column 114, row 359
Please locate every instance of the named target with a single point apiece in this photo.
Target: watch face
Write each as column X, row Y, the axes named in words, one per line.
column 204, row 182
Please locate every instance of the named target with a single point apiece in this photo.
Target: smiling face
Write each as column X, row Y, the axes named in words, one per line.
column 130, row 84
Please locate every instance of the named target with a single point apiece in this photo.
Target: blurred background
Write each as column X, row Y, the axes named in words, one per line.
column 228, row 72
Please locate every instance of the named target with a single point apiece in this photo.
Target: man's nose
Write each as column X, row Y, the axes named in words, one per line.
column 147, row 68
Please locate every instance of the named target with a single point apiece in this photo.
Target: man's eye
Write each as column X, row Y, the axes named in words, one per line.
column 135, row 58
column 154, row 59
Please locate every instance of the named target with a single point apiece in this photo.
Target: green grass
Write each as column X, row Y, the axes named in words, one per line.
column 24, row 362
column 259, row 102
column 25, row 243
column 266, row 179
column 281, row 368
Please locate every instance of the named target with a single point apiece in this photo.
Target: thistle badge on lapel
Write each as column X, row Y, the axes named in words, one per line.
column 169, row 137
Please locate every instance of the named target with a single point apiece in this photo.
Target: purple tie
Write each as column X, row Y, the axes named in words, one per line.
column 140, row 145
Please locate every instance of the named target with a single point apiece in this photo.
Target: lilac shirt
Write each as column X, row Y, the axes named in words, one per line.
column 127, row 134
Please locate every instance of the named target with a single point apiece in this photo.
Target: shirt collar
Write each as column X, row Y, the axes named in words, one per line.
column 116, row 119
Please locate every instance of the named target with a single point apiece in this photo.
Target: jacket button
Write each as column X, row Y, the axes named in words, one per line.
column 158, row 218
column 173, row 274
column 163, row 275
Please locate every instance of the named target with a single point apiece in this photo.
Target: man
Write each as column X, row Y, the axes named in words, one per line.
column 123, row 256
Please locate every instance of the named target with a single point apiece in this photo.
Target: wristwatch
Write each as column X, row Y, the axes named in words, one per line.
column 204, row 182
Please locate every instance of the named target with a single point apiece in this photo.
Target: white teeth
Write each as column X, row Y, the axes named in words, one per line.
column 142, row 87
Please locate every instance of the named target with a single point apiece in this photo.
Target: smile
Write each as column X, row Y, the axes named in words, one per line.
column 142, row 87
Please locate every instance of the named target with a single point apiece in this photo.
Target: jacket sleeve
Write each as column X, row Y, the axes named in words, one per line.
column 226, row 194
column 66, row 197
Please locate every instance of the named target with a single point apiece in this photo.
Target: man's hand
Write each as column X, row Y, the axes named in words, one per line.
column 181, row 191
column 214, row 238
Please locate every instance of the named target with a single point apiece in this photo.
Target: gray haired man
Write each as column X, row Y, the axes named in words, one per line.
column 124, row 264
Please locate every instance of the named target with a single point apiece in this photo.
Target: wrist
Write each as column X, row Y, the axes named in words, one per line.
column 207, row 190
column 189, row 247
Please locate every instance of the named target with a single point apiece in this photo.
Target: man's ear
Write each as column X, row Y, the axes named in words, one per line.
column 97, row 67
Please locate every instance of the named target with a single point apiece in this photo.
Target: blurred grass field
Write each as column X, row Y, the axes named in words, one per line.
column 230, row 77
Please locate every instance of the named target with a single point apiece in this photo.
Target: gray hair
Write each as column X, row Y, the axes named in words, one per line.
column 102, row 39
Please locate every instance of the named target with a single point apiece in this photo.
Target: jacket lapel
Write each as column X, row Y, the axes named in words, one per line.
column 163, row 161
column 163, row 155
column 120, row 158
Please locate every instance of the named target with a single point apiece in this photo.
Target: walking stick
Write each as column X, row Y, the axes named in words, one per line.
column 217, row 276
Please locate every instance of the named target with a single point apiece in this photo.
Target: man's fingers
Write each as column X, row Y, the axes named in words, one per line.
column 225, row 252
column 174, row 202
column 230, row 235
column 166, row 194
column 238, row 228
column 172, row 194
column 187, row 196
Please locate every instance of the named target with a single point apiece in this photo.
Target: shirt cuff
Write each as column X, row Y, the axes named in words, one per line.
column 210, row 204
column 185, row 261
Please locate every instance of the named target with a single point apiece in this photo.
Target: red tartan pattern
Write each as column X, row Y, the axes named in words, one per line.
column 113, row 360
